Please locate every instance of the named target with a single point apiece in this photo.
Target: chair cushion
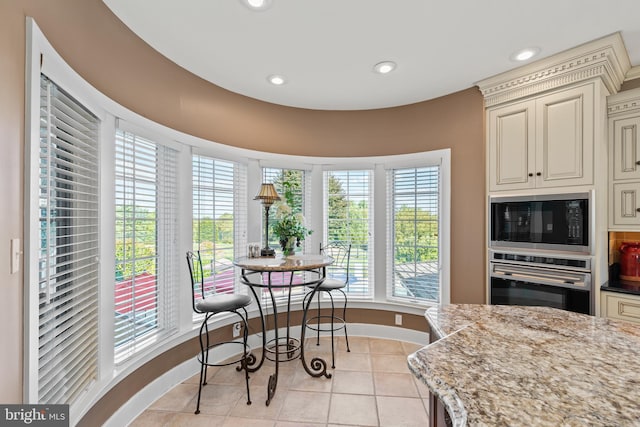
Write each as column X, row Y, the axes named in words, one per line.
column 223, row 302
column 331, row 284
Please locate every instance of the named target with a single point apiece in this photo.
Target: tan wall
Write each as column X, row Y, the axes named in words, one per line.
column 97, row 45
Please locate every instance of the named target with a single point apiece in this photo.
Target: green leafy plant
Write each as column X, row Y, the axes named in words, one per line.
column 289, row 227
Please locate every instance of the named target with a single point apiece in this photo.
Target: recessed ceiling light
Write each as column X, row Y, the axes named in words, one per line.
column 276, row 80
column 257, row 4
column 384, row 67
column 525, row 54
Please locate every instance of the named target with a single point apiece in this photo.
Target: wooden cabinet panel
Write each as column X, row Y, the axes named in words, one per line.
column 625, row 204
column 621, row 306
column 564, row 138
column 513, row 148
column 625, row 148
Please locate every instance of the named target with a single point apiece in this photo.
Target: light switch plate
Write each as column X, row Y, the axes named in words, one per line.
column 15, row 255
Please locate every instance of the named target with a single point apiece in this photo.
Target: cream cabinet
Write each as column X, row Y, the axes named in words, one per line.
column 624, row 152
column 542, row 142
column 620, row 306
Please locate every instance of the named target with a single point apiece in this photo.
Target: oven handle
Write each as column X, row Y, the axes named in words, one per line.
column 542, row 276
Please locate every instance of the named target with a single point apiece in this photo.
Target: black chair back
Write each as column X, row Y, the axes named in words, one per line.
column 197, row 278
column 341, row 253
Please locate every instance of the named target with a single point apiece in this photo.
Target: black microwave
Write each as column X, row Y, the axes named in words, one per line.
column 559, row 222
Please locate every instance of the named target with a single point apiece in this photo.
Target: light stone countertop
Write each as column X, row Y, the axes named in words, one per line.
column 531, row 366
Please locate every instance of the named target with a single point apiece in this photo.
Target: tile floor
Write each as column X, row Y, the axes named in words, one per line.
column 370, row 386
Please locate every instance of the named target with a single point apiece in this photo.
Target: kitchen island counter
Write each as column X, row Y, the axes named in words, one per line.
column 527, row 366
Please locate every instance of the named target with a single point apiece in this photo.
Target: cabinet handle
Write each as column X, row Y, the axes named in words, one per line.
column 638, row 162
column 538, row 173
column 638, row 210
column 530, row 173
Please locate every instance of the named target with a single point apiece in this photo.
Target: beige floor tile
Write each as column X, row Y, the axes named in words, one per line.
column 258, row 408
column 382, row 346
column 389, row 363
column 226, row 375
column 356, row 344
column 305, row 406
column 425, row 402
column 323, row 353
column 353, row 382
column 401, row 411
column 151, row 418
column 410, row 347
column 423, row 390
column 286, row 370
column 297, row 424
column 177, row 399
column 192, row 420
column 218, row 399
column 353, row 361
column 394, row 384
column 303, row 381
column 247, row 422
column 353, row 409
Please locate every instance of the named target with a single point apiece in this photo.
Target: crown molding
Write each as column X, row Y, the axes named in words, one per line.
column 604, row 58
column 624, row 102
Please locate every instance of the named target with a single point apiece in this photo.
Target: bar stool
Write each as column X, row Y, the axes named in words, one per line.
column 210, row 305
column 337, row 279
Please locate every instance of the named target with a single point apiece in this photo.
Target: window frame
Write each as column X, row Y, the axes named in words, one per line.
column 370, row 284
column 138, row 148
column 441, row 159
column 238, row 204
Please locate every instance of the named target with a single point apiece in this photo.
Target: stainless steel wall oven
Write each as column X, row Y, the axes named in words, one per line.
column 542, row 280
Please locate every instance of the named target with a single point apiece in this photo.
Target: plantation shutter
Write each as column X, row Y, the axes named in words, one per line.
column 146, row 243
column 68, row 251
column 348, row 210
column 413, row 234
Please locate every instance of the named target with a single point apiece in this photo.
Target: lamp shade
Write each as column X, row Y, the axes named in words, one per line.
column 267, row 194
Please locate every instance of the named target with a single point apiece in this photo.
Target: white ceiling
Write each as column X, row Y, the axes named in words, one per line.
column 326, row 49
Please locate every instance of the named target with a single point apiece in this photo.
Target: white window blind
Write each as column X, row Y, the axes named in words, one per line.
column 68, row 255
column 219, row 220
column 293, row 186
column 348, row 210
column 414, row 195
column 146, row 241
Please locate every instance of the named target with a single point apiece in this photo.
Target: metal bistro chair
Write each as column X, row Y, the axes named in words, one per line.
column 335, row 282
column 210, row 306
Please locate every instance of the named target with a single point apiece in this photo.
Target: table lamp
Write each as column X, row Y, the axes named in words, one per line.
column 267, row 195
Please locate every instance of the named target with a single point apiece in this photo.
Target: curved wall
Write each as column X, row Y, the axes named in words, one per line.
column 115, row 61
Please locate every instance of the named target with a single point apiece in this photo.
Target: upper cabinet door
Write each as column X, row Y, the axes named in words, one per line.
column 512, row 146
column 626, row 154
column 543, row 142
column 564, row 138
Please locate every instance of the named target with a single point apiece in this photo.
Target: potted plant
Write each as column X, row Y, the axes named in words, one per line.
column 289, row 228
